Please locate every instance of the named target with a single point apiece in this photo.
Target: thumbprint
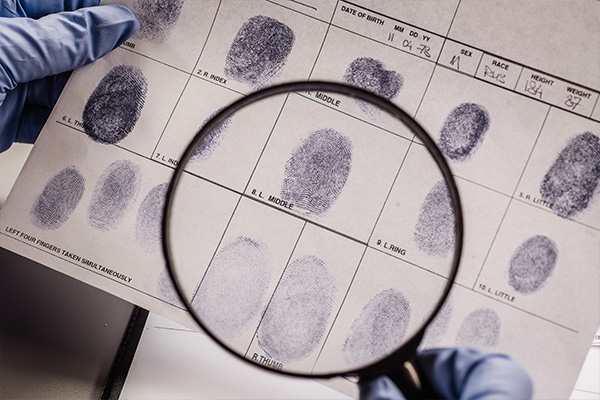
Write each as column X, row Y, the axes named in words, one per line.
column 116, row 190
column 573, row 178
column 58, row 199
column 149, row 218
column 438, row 327
column 113, row 108
column 481, row 328
column 532, row 264
column 435, row 229
column 259, row 51
column 370, row 74
column 157, row 18
column 296, row 319
column 463, row 131
column 212, row 140
column 317, row 171
column 379, row 329
column 233, row 291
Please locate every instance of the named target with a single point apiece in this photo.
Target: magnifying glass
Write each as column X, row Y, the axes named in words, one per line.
column 314, row 229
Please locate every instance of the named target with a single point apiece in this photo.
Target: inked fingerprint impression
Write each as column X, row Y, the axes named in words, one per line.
column 259, row 51
column 116, row 190
column 115, row 105
column 166, row 289
column 157, row 18
column 370, row 74
column 532, row 264
column 435, row 229
column 233, row 291
column 58, row 199
column 379, row 329
column 296, row 320
column 481, row 328
column 463, row 131
column 317, row 171
column 149, row 218
column 572, row 180
column 212, row 140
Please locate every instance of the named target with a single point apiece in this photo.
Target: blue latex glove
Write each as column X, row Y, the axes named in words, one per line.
column 40, row 42
column 461, row 373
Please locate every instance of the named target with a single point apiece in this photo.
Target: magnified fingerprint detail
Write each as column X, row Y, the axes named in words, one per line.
column 438, row 327
column 370, row 74
column 435, row 229
column 114, row 193
column 379, row 329
column 234, row 288
column 481, row 328
column 166, row 289
column 157, row 18
column 148, row 222
column 297, row 318
column 58, row 199
column 212, row 140
column 572, row 180
column 463, row 131
column 317, row 171
column 115, row 105
column 259, row 51
column 532, row 264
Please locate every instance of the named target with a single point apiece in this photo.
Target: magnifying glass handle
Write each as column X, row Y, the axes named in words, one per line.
column 412, row 382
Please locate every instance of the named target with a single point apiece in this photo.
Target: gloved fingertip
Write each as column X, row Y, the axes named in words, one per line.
column 123, row 19
column 381, row 388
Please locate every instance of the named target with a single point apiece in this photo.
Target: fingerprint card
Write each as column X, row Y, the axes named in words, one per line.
column 394, row 75
column 563, row 173
column 127, row 103
column 324, row 165
column 255, row 47
column 172, row 32
column 486, row 134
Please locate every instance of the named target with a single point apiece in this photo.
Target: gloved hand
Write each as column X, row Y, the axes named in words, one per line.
column 37, row 55
column 461, row 373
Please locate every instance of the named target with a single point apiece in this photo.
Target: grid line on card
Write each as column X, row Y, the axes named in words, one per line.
column 275, row 289
column 190, row 74
column 329, row 24
column 339, row 309
column 509, row 203
column 296, row 11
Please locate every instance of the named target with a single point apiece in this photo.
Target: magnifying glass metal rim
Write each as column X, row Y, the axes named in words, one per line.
column 409, row 347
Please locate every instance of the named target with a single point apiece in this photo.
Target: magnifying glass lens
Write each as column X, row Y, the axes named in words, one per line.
column 310, row 231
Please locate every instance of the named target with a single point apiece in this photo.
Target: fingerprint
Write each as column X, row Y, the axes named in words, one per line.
column 58, row 200
column 116, row 190
column 259, row 51
column 481, row 328
column 149, row 218
column 463, row 131
column 532, row 264
column 379, row 329
column 438, row 326
column 297, row 318
column 317, row 171
column 573, row 178
column 113, row 108
column 157, row 18
column 435, row 229
column 370, row 74
column 166, row 289
column 233, row 291
column 212, row 140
